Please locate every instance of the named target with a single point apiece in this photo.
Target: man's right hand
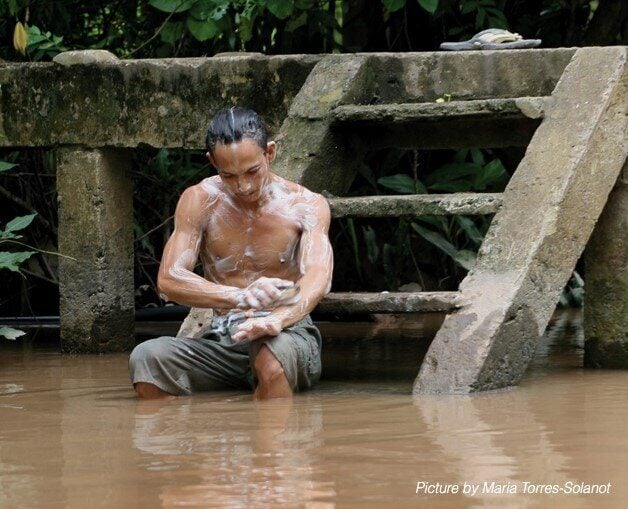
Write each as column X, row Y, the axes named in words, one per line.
column 263, row 293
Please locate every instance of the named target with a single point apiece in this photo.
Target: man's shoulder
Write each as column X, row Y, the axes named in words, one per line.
column 302, row 193
column 208, row 188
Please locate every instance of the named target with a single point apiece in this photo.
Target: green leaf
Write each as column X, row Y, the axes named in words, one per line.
column 4, row 166
column 172, row 5
column 172, row 32
column 11, row 333
column 245, row 29
column 19, row 223
column 393, row 5
column 280, row 8
column 468, row 226
column 451, row 171
column 13, row 7
column 436, row 221
column 493, row 173
column 479, row 18
column 297, row 22
column 429, row 5
column 11, row 261
column 478, row 156
column 202, row 30
column 203, row 9
column 465, row 258
column 420, row 187
column 401, row 183
column 468, row 6
column 436, row 239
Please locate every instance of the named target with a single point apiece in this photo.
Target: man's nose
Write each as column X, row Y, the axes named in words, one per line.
column 243, row 185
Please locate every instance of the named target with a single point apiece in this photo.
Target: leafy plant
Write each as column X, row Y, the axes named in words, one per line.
column 43, row 44
column 236, row 22
column 11, row 260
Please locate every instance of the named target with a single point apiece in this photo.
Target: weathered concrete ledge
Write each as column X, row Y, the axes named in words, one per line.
column 387, row 302
column 162, row 103
column 168, row 102
column 404, row 113
column 466, row 75
column 416, row 205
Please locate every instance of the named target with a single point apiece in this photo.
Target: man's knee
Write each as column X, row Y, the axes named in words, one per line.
column 147, row 351
column 143, row 359
column 267, row 367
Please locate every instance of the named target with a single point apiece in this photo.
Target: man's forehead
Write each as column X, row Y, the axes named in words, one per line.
column 243, row 147
column 237, row 154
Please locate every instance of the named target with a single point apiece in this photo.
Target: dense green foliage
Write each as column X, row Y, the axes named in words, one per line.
column 163, row 28
column 433, row 252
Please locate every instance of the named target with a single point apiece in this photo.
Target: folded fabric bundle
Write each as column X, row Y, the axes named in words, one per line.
column 492, row 38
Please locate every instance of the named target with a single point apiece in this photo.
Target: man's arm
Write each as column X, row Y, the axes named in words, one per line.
column 316, row 263
column 176, row 280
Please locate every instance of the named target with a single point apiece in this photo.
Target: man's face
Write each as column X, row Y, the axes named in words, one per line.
column 243, row 167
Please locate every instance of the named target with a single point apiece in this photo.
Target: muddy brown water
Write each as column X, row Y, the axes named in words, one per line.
column 72, row 434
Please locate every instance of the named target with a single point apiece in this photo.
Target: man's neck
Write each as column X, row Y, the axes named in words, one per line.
column 264, row 197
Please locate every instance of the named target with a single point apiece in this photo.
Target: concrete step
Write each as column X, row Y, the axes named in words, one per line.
column 530, row 107
column 387, row 302
column 486, row 123
column 416, row 205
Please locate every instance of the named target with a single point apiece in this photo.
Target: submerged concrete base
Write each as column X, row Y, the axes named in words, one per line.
column 606, row 286
column 96, row 230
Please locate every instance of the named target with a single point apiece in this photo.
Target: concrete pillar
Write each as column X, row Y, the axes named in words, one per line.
column 96, row 229
column 606, row 284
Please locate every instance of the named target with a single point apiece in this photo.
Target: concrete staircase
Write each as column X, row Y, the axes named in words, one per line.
column 573, row 125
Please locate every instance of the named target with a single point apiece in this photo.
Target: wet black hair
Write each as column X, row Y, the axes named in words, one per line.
column 232, row 125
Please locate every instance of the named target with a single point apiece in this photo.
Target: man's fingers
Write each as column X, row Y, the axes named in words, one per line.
column 238, row 336
column 251, row 300
column 263, row 296
column 271, row 292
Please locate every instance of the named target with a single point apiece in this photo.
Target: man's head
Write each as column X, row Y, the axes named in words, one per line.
column 239, row 149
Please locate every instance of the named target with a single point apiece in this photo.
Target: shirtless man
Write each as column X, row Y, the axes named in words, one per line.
column 267, row 261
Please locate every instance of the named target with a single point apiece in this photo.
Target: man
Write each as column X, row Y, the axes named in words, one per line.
column 267, row 261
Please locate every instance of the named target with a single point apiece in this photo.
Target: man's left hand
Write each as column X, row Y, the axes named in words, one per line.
column 255, row 328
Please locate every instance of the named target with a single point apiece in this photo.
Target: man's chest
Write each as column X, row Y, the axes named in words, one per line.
column 235, row 242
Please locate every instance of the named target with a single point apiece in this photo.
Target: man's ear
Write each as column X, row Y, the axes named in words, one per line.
column 211, row 159
column 271, row 150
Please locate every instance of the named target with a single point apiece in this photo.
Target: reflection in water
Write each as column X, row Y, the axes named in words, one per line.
column 242, row 453
column 74, row 435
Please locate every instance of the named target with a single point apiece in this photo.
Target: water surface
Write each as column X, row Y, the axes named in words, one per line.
column 72, row 433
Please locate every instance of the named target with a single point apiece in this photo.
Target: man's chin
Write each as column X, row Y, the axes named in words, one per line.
column 248, row 197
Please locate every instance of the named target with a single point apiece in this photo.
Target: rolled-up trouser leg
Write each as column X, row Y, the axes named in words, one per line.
column 182, row 365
